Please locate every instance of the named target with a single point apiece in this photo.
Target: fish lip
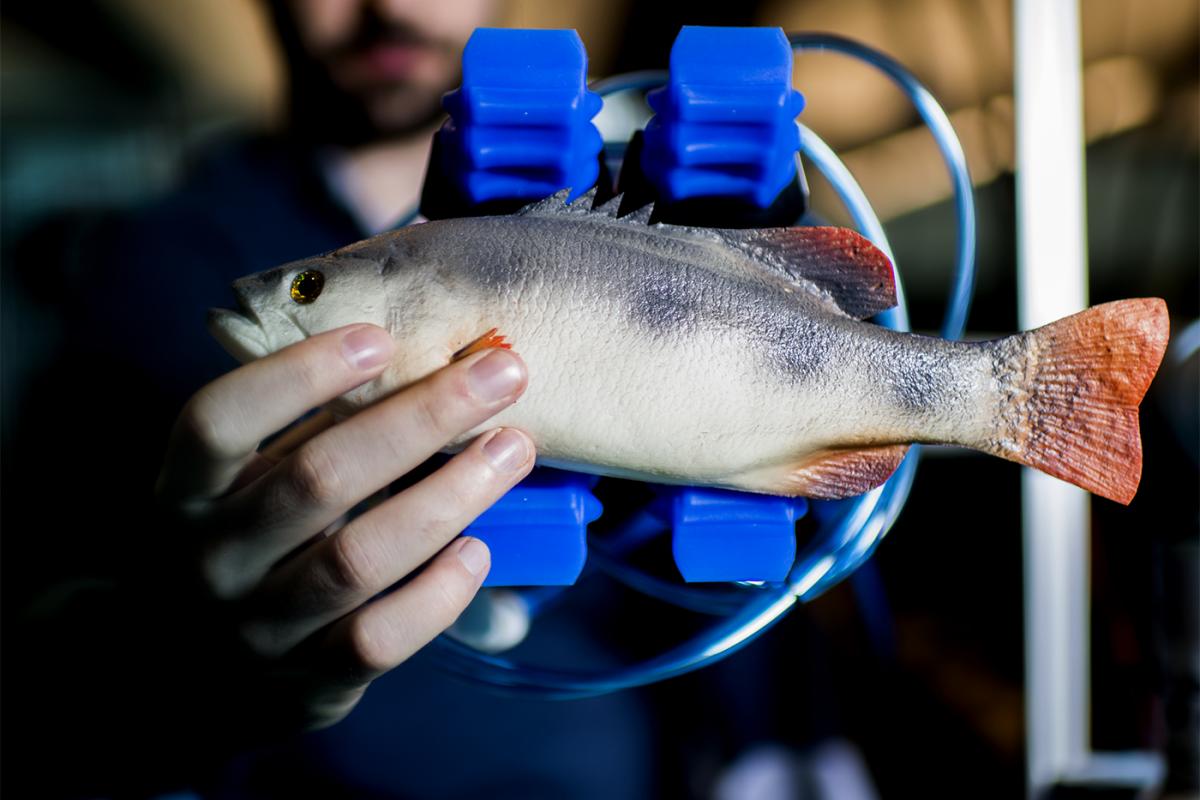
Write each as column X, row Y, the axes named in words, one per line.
column 241, row 333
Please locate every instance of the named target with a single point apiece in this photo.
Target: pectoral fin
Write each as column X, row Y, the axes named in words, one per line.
column 489, row 340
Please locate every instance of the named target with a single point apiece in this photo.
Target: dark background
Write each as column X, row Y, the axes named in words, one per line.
column 918, row 661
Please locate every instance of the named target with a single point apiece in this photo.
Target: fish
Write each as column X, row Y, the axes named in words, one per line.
column 741, row 359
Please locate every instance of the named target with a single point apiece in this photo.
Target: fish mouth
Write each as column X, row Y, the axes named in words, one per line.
column 240, row 333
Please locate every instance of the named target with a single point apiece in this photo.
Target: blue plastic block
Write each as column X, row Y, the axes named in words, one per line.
column 725, row 123
column 720, row 535
column 538, row 531
column 520, row 128
column 521, row 123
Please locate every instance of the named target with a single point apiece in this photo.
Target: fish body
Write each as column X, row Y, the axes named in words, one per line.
column 727, row 358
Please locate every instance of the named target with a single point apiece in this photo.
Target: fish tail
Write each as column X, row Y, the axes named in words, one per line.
column 1071, row 391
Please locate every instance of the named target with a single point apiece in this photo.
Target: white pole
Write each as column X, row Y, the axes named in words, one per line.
column 1052, row 283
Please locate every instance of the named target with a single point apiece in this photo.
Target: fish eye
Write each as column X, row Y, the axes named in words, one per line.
column 307, row 286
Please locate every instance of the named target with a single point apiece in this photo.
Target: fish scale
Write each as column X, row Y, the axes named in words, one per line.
column 735, row 358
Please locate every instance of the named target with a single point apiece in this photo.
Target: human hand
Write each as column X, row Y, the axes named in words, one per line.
column 299, row 593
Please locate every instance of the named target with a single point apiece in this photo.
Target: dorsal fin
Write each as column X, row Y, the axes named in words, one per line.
column 609, row 208
column 556, row 205
column 641, row 216
column 854, row 273
column 548, row 206
column 584, row 202
column 837, row 263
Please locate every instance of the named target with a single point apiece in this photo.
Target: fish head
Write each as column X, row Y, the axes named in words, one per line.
column 287, row 304
column 381, row 281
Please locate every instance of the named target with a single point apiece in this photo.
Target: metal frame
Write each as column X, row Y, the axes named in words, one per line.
column 1052, row 283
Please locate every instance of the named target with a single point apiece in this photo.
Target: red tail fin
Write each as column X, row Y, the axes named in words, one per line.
column 1084, row 377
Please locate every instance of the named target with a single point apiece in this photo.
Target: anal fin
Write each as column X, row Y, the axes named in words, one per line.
column 491, row 339
column 832, row 474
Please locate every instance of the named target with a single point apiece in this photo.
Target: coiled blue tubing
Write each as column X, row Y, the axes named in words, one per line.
column 849, row 535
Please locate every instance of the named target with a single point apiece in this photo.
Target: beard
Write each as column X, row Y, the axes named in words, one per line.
column 400, row 109
column 330, row 102
column 330, row 115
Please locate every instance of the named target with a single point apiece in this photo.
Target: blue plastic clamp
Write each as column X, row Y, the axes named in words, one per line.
column 520, row 128
column 537, row 532
column 719, row 535
column 521, row 123
column 725, row 126
column 725, row 123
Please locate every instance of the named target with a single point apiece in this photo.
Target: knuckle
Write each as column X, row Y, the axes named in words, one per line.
column 461, row 494
column 368, row 650
column 436, row 529
column 449, row 509
column 333, row 709
column 260, row 639
column 444, row 400
column 453, row 596
column 438, row 525
column 396, row 445
column 310, row 377
column 463, row 490
column 432, row 411
column 216, row 576
column 350, row 566
column 202, row 419
column 452, row 384
column 472, row 485
column 315, row 478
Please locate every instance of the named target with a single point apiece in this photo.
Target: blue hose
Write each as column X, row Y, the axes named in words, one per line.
column 859, row 524
column 939, row 125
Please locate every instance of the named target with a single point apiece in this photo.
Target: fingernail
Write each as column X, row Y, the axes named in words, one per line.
column 366, row 348
column 496, row 376
column 474, row 555
column 507, row 451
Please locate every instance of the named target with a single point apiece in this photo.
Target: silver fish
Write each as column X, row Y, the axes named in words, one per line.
column 733, row 358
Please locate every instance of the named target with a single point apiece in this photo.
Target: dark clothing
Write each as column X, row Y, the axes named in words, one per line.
column 118, row 688
column 249, row 207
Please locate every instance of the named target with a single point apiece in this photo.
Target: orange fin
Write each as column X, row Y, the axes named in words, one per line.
column 833, row 474
column 1079, row 382
column 489, row 340
column 852, row 272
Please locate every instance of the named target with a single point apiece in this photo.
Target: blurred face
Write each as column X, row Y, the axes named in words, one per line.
column 393, row 59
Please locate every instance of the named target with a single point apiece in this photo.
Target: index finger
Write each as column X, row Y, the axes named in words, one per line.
column 222, row 424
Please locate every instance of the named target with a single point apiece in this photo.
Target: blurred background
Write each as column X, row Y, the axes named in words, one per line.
column 914, row 671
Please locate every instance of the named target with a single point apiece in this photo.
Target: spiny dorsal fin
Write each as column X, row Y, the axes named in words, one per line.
column 557, row 205
column 609, row 209
column 855, row 274
column 641, row 216
column 548, row 206
column 584, row 202
column 844, row 267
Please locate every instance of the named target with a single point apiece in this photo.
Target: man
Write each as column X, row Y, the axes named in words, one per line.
column 240, row 613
